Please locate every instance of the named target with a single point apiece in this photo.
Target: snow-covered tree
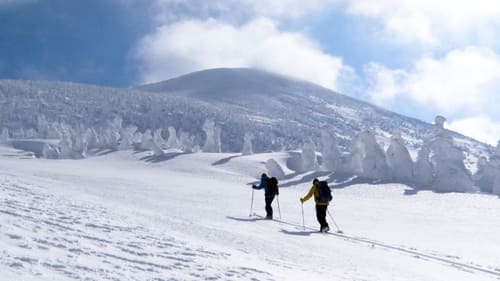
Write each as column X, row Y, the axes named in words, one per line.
column 157, row 151
column 18, row 133
column 247, row 144
column 496, row 185
column 172, row 141
column 43, row 126
column 212, row 132
column 66, row 147
column 450, row 173
column 91, row 138
column 308, row 156
column 54, row 130
column 355, row 158
column 330, row 151
column 496, row 154
column 137, row 139
column 158, row 139
column 127, row 137
column 187, row 142
column 217, row 140
column 80, row 144
column 50, row 151
column 368, row 158
column 487, row 172
column 196, row 147
column 113, row 133
column 399, row 159
column 147, row 140
column 105, row 138
column 116, row 122
column 4, row 137
column 423, row 174
column 148, row 143
column 30, row 133
column 345, row 164
column 495, row 162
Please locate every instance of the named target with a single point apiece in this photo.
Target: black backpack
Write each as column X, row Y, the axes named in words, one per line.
column 325, row 193
column 273, row 186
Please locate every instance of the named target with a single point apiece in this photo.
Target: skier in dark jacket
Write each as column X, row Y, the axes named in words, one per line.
column 268, row 194
column 321, row 207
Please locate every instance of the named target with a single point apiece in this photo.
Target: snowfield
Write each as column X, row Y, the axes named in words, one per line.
column 129, row 216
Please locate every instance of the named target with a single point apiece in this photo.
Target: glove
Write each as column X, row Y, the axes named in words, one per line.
column 302, row 200
column 254, row 186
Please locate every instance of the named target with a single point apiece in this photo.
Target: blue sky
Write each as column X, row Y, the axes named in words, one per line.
column 419, row 58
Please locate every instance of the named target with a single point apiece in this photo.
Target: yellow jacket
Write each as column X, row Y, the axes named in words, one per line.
column 314, row 190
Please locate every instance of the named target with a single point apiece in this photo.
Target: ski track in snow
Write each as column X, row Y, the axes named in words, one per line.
column 449, row 260
column 69, row 221
column 76, row 241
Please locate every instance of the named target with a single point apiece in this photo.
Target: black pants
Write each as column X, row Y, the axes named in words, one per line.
column 321, row 215
column 269, row 209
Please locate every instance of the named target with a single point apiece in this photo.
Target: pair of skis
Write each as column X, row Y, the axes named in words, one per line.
column 338, row 232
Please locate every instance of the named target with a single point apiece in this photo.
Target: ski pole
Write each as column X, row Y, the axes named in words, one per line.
column 278, row 200
column 303, row 222
column 338, row 229
column 251, row 205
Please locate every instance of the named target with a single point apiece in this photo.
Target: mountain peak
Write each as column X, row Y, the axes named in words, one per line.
column 223, row 82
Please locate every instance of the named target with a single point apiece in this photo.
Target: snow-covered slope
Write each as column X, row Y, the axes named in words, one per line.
column 121, row 217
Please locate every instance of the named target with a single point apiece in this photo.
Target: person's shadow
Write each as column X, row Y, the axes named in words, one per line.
column 249, row 219
column 298, row 233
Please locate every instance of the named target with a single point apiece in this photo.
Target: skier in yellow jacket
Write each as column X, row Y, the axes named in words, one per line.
column 321, row 207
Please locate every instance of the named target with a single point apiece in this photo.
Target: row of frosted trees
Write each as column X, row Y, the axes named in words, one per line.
column 75, row 142
column 439, row 165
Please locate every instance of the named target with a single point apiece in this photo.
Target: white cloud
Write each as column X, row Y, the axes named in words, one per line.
column 480, row 127
column 433, row 23
column 286, row 8
column 193, row 45
column 384, row 84
column 464, row 80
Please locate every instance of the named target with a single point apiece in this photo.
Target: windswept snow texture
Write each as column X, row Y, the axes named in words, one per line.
column 121, row 217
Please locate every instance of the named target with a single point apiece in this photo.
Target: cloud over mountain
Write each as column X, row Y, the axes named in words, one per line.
column 198, row 44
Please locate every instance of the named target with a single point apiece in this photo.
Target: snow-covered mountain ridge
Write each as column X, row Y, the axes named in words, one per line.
column 280, row 112
column 291, row 102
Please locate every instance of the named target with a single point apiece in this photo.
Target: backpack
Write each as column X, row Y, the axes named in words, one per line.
column 273, row 186
column 325, row 193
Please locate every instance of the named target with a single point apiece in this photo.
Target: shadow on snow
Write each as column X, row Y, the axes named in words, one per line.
column 163, row 157
column 298, row 232
column 224, row 160
column 249, row 219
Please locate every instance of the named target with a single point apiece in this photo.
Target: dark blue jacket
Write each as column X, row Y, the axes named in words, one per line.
column 264, row 185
